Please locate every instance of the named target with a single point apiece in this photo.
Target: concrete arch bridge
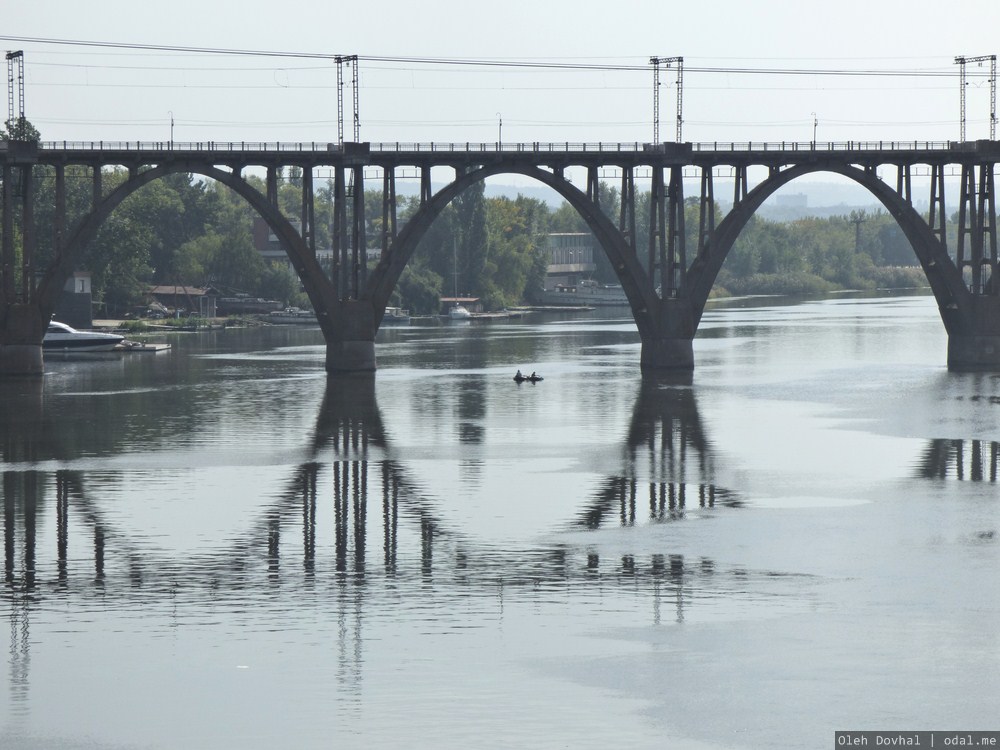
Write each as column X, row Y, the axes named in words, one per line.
column 666, row 281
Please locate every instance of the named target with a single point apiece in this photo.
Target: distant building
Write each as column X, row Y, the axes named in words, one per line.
column 472, row 304
column 75, row 305
column 570, row 256
column 269, row 246
column 189, row 299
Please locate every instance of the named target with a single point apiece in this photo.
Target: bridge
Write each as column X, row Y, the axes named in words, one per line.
column 667, row 283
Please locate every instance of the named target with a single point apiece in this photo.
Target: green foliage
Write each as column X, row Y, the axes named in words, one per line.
column 490, row 248
column 514, row 248
column 419, row 288
column 278, row 281
column 20, row 129
column 858, row 251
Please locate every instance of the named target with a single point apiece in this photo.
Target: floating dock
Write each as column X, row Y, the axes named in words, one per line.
column 141, row 347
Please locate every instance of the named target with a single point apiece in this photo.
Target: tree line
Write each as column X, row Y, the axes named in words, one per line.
column 858, row 250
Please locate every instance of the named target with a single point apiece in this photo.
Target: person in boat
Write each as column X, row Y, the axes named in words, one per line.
column 519, row 376
column 533, row 376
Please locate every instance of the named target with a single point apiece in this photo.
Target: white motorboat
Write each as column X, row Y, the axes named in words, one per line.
column 61, row 337
column 457, row 312
column 292, row 315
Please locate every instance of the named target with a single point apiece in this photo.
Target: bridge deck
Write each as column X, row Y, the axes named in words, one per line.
column 247, row 153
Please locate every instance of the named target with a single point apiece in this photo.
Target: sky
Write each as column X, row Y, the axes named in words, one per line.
column 588, row 77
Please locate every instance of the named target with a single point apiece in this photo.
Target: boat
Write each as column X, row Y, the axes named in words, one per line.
column 457, row 312
column 61, row 337
column 532, row 378
column 587, row 292
column 396, row 316
column 246, row 305
column 292, row 315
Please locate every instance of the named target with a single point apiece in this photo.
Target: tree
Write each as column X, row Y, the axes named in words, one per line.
column 513, row 249
column 472, row 238
column 419, row 288
column 20, row 129
column 278, row 281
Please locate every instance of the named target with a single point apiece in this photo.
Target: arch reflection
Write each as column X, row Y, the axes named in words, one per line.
column 350, row 527
column 355, row 484
column 667, row 462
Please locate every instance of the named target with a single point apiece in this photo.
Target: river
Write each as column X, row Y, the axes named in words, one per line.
column 221, row 547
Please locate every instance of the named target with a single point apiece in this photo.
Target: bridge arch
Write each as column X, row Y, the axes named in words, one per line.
column 350, row 309
column 630, row 273
column 309, row 271
column 944, row 278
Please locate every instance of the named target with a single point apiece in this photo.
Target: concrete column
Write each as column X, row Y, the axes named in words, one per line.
column 975, row 345
column 350, row 356
column 667, row 337
column 973, row 353
column 352, row 346
column 21, row 332
column 664, row 354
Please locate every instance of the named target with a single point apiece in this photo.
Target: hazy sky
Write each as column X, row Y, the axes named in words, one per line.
column 76, row 92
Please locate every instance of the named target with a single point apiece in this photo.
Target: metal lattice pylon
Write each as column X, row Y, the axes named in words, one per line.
column 15, row 90
column 677, row 62
column 961, row 61
column 351, row 60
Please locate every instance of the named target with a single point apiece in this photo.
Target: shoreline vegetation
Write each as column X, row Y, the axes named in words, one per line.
column 804, row 283
column 763, row 285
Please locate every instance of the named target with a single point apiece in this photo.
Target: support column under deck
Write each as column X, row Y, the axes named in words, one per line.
column 352, row 347
column 344, row 356
column 976, row 347
column 21, row 333
column 668, row 338
column 665, row 354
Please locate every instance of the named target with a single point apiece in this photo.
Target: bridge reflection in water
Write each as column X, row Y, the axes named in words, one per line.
column 350, row 461
column 667, row 471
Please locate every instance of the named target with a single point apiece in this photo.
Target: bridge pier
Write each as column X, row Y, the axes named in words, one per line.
column 350, row 342
column 974, row 345
column 660, row 354
column 21, row 332
column 974, row 353
column 350, row 356
column 667, row 336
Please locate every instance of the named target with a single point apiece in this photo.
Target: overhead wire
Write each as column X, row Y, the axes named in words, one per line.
column 388, row 63
column 542, row 64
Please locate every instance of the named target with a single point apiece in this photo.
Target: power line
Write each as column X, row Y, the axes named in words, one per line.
column 486, row 62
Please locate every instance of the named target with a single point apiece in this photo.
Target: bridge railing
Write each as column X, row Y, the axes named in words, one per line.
column 757, row 146
column 470, row 147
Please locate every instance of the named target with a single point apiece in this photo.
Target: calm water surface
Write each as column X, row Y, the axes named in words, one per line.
column 222, row 547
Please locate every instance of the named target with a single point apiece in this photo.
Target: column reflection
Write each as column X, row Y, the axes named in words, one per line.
column 667, row 462
column 965, row 460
